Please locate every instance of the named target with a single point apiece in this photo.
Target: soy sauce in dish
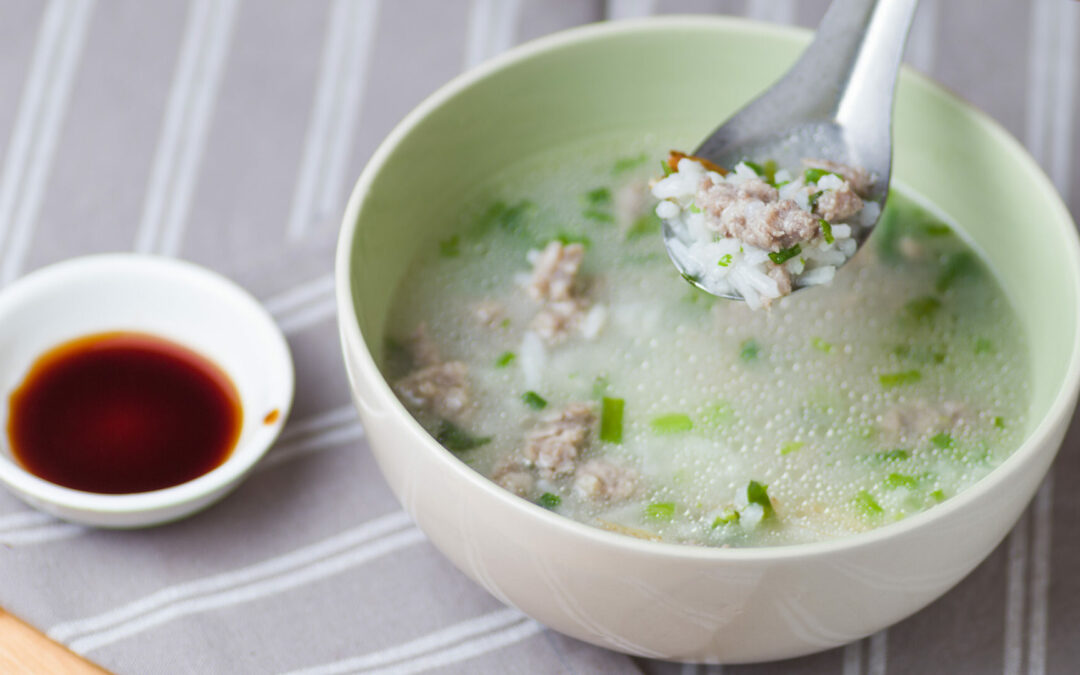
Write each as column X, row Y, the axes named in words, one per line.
column 122, row 412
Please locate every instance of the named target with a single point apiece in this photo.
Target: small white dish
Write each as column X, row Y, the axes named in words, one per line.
column 172, row 299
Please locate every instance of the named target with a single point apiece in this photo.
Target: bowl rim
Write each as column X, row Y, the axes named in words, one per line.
column 365, row 369
column 240, row 460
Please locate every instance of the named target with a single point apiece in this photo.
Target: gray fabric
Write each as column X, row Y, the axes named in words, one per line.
column 310, row 561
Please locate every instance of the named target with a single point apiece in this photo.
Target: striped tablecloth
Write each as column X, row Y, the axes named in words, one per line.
column 228, row 132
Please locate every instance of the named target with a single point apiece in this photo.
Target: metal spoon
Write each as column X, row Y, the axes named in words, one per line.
column 835, row 103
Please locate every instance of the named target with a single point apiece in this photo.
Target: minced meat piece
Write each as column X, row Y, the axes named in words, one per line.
column 772, row 226
column 556, row 320
column 555, row 272
column 858, row 178
column 921, row 418
column 441, row 389
column 422, row 350
column 600, row 480
column 554, row 445
column 838, row 205
column 515, row 478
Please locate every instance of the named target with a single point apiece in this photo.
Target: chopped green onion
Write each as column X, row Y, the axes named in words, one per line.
column 899, row 480
column 450, row 248
column 942, row 440
column 549, row 500
column 821, row 345
column 505, row 359
column 724, row 260
column 922, row 308
column 647, row 224
column 770, row 172
column 534, row 400
column 598, row 215
column 694, row 208
column 755, row 167
column 599, row 197
column 509, row 218
column 667, row 168
column 890, row 380
column 893, row 455
column 756, row 493
column 671, row 423
column 567, row 238
column 814, row 175
column 867, row 505
column 936, row 229
column 456, row 439
column 505, row 323
column 826, row 231
column 782, row 256
column 624, row 164
column 983, row 346
column 790, row 447
column 938, row 495
column 749, row 350
column 813, row 199
column 953, row 267
column 728, row 515
column 611, row 419
column 999, row 422
column 660, row 511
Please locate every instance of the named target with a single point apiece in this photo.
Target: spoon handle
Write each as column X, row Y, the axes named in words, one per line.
column 846, row 76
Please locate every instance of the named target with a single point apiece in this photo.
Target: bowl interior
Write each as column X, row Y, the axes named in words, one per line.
column 174, row 300
column 649, row 78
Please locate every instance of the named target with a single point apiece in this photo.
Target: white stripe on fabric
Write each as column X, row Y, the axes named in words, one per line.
column 361, row 42
column 346, row 51
column 54, row 531
column 21, row 519
column 309, row 316
column 853, row 658
column 1062, row 114
column 629, row 9
column 1015, row 585
column 773, row 11
column 492, row 29
column 298, row 296
column 37, row 127
column 464, row 651
column 438, row 640
column 226, row 581
column 315, row 423
column 922, row 43
column 1040, row 62
column 877, row 659
column 249, row 592
column 191, row 102
column 284, row 452
column 1042, row 516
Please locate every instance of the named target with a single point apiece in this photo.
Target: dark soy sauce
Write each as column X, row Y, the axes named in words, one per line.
column 121, row 413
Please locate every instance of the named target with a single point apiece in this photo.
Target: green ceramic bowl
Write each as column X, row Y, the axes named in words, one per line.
column 664, row 600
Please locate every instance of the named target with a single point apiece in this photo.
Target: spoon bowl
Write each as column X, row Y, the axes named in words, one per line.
column 834, row 104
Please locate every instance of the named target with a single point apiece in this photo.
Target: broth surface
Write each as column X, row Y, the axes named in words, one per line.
column 855, row 404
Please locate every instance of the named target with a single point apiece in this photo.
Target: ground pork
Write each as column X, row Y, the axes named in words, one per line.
column 838, row 205
column 488, row 312
column 555, row 444
column 771, row 226
column 512, row 476
column 555, row 270
column 858, row 178
column 441, row 389
column 599, row 480
column 556, row 320
column 921, row 418
column 421, row 348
